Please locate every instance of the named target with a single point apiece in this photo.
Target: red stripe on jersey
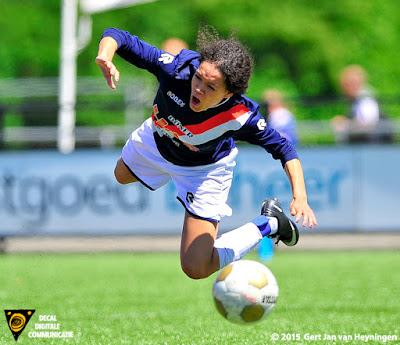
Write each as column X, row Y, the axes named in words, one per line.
column 219, row 119
column 215, row 121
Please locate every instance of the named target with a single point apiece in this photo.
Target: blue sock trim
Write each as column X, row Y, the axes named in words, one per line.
column 262, row 223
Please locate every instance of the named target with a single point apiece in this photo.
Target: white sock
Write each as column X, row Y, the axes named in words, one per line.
column 273, row 223
column 235, row 244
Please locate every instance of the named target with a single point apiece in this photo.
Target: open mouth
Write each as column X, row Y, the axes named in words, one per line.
column 195, row 100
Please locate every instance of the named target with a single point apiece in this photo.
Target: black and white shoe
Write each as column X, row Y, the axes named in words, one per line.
column 287, row 230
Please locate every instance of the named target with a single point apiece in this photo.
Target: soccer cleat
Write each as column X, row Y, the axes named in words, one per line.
column 287, row 230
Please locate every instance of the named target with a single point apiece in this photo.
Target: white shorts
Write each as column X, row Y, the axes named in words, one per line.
column 203, row 190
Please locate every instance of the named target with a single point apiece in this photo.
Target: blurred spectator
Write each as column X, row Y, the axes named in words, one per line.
column 278, row 115
column 365, row 122
column 1, row 128
column 174, row 45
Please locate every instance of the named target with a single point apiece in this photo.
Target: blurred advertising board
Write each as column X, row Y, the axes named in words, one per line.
column 46, row 192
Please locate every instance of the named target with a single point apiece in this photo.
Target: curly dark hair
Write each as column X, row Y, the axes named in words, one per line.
column 230, row 56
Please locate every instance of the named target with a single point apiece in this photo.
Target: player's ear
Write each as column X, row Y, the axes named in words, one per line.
column 228, row 94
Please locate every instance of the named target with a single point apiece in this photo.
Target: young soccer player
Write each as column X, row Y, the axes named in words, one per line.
column 199, row 112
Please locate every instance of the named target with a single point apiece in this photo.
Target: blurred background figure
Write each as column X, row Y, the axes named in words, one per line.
column 365, row 121
column 174, row 45
column 279, row 116
column 1, row 128
column 281, row 119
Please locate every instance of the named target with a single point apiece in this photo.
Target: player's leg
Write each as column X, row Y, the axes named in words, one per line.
column 199, row 258
column 272, row 223
column 122, row 174
column 202, row 254
column 203, row 191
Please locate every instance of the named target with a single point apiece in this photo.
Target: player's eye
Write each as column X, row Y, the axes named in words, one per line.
column 211, row 87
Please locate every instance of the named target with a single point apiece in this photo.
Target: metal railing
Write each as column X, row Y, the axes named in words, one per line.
column 34, row 97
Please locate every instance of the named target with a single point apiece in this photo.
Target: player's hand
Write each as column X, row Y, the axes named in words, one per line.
column 110, row 72
column 300, row 208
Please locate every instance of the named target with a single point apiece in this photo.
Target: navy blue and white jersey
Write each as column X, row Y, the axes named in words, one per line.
column 189, row 138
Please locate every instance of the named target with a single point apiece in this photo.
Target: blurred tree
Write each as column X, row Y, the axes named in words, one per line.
column 298, row 45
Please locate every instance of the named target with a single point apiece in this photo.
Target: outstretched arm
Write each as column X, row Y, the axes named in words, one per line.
column 299, row 206
column 107, row 48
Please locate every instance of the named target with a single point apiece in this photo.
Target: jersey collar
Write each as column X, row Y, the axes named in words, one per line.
column 219, row 104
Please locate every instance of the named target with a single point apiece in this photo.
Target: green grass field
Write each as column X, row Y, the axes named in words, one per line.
column 124, row 298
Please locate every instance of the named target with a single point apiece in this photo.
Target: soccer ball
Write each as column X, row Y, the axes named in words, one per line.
column 245, row 291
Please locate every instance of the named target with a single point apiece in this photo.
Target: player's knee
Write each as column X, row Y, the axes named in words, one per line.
column 196, row 269
column 119, row 177
column 122, row 176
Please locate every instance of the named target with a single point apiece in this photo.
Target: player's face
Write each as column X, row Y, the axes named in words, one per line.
column 208, row 87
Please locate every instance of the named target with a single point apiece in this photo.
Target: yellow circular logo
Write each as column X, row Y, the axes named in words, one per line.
column 17, row 322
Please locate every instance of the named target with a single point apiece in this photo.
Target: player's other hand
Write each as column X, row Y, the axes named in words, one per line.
column 300, row 208
column 110, row 72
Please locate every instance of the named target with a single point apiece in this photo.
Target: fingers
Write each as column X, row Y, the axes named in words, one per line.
column 110, row 72
column 116, row 76
column 313, row 221
column 298, row 217
column 113, row 74
column 308, row 216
